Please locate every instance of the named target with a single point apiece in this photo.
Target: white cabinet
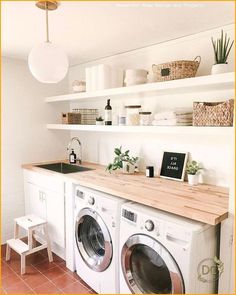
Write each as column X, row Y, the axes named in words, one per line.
column 36, row 202
column 56, row 217
column 44, row 197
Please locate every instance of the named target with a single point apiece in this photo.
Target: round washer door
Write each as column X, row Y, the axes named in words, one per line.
column 93, row 240
column 149, row 268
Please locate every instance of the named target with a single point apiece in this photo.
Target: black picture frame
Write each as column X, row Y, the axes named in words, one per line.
column 173, row 165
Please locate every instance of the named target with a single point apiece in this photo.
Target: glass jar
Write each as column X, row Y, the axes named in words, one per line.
column 145, row 118
column 122, row 117
column 132, row 114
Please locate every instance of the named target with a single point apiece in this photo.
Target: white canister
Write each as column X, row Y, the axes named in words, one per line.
column 145, row 118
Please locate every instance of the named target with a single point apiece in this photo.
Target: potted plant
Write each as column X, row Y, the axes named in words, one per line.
column 222, row 47
column 99, row 121
column 192, row 170
column 122, row 161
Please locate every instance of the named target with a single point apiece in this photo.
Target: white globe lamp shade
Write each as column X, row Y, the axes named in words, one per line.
column 48, row 63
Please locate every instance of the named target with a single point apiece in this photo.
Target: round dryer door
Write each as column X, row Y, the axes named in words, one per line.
column 93, row 240
column 148, row 267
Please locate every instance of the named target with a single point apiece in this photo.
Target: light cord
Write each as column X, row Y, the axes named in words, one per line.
column 47, row 26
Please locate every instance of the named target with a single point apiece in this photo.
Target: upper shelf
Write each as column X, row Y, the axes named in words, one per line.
column 198, row 84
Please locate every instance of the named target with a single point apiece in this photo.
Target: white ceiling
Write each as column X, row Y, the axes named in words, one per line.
column 91, row 30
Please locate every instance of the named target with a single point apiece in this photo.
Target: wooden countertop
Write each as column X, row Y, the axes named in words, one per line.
column 205, row 203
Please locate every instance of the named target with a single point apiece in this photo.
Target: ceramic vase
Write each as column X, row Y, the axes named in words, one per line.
column 193, row 179
column 219, row 69
column 128, row 168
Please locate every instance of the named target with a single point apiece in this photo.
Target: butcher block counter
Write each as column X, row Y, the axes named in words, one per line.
column 205, row 203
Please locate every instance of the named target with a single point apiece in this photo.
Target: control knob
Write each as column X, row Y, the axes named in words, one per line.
column 91, row 200
column 149, row 225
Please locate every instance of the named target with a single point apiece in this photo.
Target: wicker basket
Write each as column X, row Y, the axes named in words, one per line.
column 71, row 118
column 213, row 113
column 174, row 70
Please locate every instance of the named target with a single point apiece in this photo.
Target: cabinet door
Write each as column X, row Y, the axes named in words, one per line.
column 35, row 200
column 56, row 217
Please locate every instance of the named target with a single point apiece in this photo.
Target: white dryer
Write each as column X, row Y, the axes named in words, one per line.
column 161, row 253
column 97, row 239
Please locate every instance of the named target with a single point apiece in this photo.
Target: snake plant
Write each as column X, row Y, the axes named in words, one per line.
column 222, row 47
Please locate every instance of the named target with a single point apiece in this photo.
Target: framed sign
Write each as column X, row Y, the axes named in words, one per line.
column 173, row 165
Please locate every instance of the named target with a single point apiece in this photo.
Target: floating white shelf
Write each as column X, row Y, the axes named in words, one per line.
column 198, row 84
column 194, row 130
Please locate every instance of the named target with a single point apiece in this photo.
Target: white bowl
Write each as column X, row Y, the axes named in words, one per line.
column 136, row 73
column 129, row 82
column 135, row 79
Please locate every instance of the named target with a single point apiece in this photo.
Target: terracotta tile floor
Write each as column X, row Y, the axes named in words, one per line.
column 41, row 276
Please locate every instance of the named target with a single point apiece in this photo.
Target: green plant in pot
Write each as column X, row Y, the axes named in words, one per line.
column 192, row 170
column 122, row 160
column 222, row 47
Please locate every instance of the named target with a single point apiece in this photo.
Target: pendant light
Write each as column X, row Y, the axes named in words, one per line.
column 47, row 62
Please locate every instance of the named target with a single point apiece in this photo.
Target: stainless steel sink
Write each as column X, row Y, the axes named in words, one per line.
column 64, row 168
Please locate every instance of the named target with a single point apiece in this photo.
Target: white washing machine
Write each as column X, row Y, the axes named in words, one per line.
column 97, row 239
column 161, row 252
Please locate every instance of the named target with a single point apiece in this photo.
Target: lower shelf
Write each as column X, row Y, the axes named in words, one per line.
column 226, row 131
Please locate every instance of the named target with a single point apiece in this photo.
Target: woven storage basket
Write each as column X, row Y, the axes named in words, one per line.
column 213, row 113
column 174, row 70
column 71, row 118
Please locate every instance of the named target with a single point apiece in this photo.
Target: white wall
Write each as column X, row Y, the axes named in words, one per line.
column 25, row 138
column 214, row 153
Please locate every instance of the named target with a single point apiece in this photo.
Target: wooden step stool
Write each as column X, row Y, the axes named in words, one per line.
column 30, row 223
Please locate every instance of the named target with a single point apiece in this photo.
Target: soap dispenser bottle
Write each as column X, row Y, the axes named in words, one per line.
column 72, row 157
column 108, row 113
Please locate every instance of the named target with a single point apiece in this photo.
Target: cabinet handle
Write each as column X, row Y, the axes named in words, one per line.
column 42, row 196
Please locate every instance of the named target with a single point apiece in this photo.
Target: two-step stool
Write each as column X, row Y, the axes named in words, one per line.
column 30, row 223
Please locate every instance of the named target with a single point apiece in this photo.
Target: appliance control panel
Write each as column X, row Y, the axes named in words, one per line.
column 129, row 215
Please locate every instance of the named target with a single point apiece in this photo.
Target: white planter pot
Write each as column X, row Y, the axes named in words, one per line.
column 219, row 69
column 128, row 168
column 193, row 179
column 99, row 123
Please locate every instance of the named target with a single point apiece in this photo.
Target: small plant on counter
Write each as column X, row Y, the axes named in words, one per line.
column 192, row 170
column 222, row 48
column 122, row 161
